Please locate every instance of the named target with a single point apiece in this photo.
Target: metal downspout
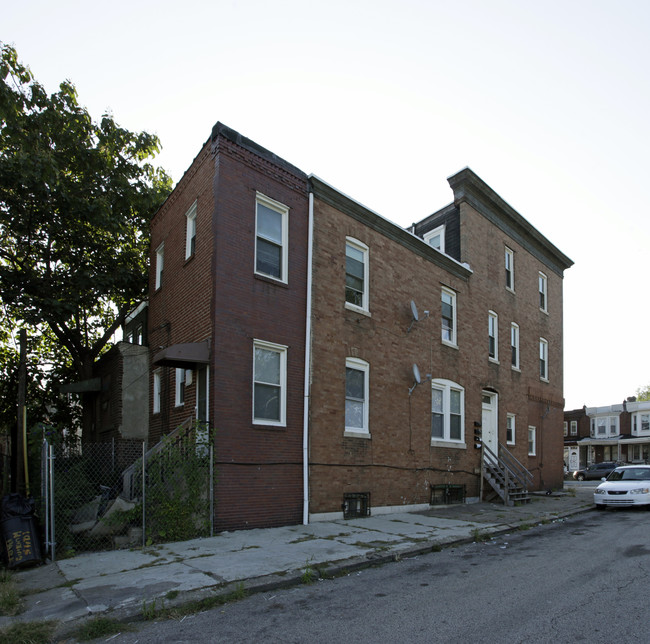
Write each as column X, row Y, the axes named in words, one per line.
column 305, row 432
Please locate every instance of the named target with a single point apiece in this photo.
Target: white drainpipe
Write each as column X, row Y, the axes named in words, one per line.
column 305, row 431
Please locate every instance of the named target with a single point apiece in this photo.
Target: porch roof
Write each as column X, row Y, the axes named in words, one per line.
column 187, row 355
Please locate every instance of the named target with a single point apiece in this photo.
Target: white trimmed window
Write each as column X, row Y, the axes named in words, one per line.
column 514, row 345
column 448, row 317
column 574, row 428
column 532, row 440
column 271, row 238
column 493, row 336
column 543, row 359
column 160, row 261
column 356, row 274
column 157, row 387
column 566, row 428
column 447, row 412
column 436, row 238
column 543, row 292
column 605, row 426
column 269, row 383
column 179, row 398
column 357, row 389
column 190, row 231
column 510, row 269
column 510, row 429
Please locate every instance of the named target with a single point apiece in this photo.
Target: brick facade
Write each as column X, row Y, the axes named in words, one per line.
column 216, row 297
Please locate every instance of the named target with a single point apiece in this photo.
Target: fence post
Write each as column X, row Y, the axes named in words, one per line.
column 52, row 502
column 144, row 505
column 211, row 489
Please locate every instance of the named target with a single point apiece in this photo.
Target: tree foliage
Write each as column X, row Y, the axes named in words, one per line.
column 76, row 197
column 643, row 393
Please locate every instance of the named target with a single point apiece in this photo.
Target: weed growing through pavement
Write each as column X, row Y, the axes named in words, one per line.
column 28, row 633
column 100, row 627
column 478, row 535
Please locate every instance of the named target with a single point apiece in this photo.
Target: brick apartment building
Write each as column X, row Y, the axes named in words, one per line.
column 289, row 317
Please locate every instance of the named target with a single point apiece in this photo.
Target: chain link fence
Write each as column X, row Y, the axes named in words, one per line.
column 100, row 496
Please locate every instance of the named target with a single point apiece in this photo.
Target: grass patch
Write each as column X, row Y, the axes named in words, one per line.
column 28, row 633
column 524, row 526
column 478, row 535
column 172, row 594
column 10, row 601
column 309, row 537
column 100, row 627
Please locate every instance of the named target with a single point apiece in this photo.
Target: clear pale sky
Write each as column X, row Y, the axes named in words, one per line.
column 548, row 102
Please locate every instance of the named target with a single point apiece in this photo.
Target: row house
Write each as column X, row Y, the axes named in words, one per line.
column 348, row 365
column 619, row 432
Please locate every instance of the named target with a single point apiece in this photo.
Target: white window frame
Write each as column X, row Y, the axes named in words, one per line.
column 179, row 396
column 566, row 429
column 283, row 211
column 514, row 344
column 190, row 231
column 157, row 390
column 532, row 440
column 362, row 248
column 281, row 385
column 574, row 428
column 510, row 429
column 359, row 365
column 446, row 387
column 543, row 292
column 453, row 340
column 493, row 335
column 510, row 269
column 543, row 359
column 160, row 263
column 432, row 234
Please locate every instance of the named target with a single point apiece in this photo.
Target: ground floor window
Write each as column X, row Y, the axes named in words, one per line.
column 532, row 441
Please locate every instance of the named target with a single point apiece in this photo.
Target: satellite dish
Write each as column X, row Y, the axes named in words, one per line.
column 414, row 310
column 416, row 374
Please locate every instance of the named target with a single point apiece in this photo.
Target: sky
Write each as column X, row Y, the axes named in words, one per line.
column 548, row 102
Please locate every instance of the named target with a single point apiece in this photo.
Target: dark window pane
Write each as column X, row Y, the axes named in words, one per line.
column 269, row 258
column 267, row 402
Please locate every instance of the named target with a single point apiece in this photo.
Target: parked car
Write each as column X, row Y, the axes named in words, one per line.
column 624, row 487
column 595, row 471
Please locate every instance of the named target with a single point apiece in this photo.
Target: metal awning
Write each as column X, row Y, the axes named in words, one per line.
column 184, row 356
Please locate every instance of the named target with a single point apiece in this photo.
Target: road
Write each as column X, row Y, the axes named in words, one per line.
column 584, row 578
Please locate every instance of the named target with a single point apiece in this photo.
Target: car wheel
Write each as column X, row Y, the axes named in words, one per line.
column 580, row 477
column 600, row 506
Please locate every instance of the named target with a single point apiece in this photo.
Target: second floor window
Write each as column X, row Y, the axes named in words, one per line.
column 271, row 238
column 543, row 359
column 356, row 274
column 448, row 316
column 493, row 336
column 514, row 346
column 160, row 260
column 190, row 231
column 510, row 269
column 574, row 428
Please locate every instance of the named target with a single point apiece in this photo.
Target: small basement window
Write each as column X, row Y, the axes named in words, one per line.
column 356, row 505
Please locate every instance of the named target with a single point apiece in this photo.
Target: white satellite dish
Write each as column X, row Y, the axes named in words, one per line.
column 416, row 374
column 414, row 310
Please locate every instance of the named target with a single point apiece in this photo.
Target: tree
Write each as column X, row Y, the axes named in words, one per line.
column 643, row 393
column 76, row 197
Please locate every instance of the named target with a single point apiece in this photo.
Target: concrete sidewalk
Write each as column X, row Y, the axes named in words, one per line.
column 126, row 582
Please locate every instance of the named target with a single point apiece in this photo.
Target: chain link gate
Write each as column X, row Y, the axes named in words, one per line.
column 101, row 496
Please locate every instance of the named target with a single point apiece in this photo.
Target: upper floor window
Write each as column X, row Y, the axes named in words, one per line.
column 160, row 260
column 269, row 383
column 566, row 428
column 436, row 238
column 543, row 292
column 574, row 428
column 510, row 429
column 604, row 426
column 356, row 396
column 356, row 274
column 447, row 411
column 448, row 317
column 190, row 231
column 532, row 441
column 640, row 423
column 272, row 238
column 514, row 345
column 510, row 269
column 493, row 336
column 157, row 389
column 543, row 359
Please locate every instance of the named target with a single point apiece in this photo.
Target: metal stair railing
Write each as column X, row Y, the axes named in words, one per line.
column 507, row 476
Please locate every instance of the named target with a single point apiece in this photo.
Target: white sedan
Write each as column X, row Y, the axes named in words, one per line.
column 624, row 487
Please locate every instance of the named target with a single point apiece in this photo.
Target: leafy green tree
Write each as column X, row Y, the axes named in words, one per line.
column 76, row 197
column 643, row 393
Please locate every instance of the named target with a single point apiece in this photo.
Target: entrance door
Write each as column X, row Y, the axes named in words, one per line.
column 490, row 432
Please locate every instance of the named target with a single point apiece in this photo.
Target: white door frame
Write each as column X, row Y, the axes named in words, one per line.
column 490, row 420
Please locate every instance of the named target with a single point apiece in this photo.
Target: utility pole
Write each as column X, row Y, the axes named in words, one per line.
column 20, row 447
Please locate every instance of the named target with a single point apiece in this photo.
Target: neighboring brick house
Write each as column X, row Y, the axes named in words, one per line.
column 258, row 270
column 619, row 432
